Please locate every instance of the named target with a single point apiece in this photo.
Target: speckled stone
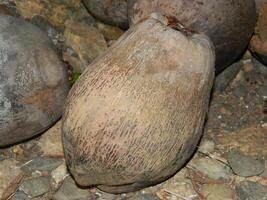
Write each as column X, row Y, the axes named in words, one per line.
column 244, row 165
column 36, row 186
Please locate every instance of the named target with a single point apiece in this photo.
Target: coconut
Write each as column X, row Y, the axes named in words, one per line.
column 136, row 114
column 229, row 24
column 33, row 81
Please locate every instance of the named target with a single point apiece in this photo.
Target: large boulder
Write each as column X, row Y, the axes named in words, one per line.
column 113, row 12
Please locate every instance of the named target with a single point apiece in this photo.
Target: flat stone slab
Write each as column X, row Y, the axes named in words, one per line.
column 244, row 165
column 36, row 187
column 212, row 168
column 20, row 196
column 248, row 190
column 70, row 191
column 218, row 192
column 10, row 177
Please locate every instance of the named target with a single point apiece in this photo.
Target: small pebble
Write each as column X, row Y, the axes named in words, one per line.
column 36, row 186
column 59, row 174
column 217, row 192
column 260, row 68
column 248, row 190
column 206, row 146
column 248, row 66
column 20, row 196
column 179, row 184
column 70, row 191
column 212, row 168
column 243, row 165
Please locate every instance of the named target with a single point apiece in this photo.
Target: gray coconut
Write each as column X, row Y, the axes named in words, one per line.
column 136, row 114
column 33, row 81
column 113, row 12
column 228, row 23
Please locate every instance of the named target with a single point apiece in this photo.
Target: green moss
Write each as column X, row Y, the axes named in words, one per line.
column 75, row 77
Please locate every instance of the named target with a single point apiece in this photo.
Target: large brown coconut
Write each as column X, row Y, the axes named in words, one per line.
column 113, row 12
column 229, row 24
column 33, row 81
column 258, row 44
column 136, row 114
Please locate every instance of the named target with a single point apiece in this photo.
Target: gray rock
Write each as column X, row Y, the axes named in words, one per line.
column 180, row 184
column 243, row 165
column 89, row 20
column 240, row 91
column 109, row 32
column 70, row 191
column 260, row 67
column 217, row 191
column 111, row 12
column 212, row 168
column 248, row 190
column 36, row 186
column 206, row 146
column 227, row 76
column 86, row 41
column 43, row 164
column 147, row 196
column 43, row 24
column 59, row 174
column 263, row 91
column 20, row 196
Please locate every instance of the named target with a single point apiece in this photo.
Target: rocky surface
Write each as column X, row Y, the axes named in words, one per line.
column 86, row 41
column 35, row 187
column 230, row 162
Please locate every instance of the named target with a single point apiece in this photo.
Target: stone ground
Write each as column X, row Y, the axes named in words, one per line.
column 231, row 159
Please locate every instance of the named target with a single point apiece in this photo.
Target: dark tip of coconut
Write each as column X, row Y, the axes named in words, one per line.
column 176, row 25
